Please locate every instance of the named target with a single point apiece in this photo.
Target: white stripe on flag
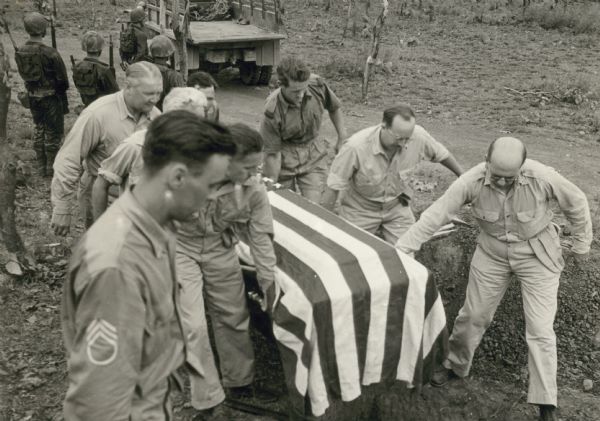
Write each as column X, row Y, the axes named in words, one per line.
column 291, row 341
column 375, row 274
column 414, row 313
column 340, row 296
column 434, row 324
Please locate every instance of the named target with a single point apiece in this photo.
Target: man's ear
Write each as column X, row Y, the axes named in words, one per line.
column 176, row 175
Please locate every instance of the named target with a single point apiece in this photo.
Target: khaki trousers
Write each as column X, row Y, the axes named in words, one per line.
column 388, row 221
column 215, row 269
column 488, row 280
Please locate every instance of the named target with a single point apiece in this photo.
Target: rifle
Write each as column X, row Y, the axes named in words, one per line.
column 111, row 58
column 72, row 61
column 7, row 29
column 52, row 32
column 54, row 8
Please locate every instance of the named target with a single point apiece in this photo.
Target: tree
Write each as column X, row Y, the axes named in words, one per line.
column 181, row 30
column 375, row 40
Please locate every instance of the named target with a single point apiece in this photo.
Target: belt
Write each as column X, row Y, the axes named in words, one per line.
column 41, row 93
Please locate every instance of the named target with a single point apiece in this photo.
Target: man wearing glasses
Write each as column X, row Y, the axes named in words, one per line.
column 510, row 199
column 373, row 168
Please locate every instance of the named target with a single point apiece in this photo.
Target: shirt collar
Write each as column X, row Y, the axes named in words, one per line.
column 124, row 111
column 285, row 104
column 521, row 179
column 158, row 236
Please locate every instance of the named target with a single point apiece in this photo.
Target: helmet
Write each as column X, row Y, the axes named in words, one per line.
column 161, row 46
column 35, row 23
column 92, row 42
column 137, row 15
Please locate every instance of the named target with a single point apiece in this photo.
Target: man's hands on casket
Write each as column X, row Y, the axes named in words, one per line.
column 265, row 300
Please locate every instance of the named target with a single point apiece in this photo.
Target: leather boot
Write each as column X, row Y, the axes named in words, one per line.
column 40, row 159
column 50, row 156
column 548, row 413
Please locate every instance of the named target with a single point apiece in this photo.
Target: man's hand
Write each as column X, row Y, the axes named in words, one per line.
column 264, row 299
column 61, row 224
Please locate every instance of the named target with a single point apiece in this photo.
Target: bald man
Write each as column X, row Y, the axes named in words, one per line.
column 95, row 135
column 510, row 198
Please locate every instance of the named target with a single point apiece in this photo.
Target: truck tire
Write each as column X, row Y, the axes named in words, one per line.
column 249, row 73
column 265, row 75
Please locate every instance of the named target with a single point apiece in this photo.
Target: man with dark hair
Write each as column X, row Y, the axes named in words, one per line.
column 92, row 77
column 510, row 199
column 296, row 155
column 207, row 260
column 206, row 84
column 373, row 170
column 45, row 76
column 121, row 315
column 98, row 130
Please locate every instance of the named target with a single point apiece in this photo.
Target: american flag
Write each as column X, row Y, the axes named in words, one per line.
column 351, row 309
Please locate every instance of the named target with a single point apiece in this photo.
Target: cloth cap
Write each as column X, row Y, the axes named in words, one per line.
column 92, row 42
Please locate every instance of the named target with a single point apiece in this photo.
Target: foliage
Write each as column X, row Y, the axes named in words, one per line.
column 580, row 18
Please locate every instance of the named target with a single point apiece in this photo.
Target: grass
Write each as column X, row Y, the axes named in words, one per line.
column 581, row 18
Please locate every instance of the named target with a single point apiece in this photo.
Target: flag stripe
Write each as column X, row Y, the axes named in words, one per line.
column 378, row 283
column 293, row 236
column 395, row 270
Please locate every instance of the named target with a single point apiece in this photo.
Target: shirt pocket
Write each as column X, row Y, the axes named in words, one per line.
column 228, row 212
column 486, row 215
column 367, row 184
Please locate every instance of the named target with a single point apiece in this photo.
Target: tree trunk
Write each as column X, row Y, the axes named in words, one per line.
column 8, row 184
column 376, row 37
column 181, row 30
column 5, row 91
column 350, row 18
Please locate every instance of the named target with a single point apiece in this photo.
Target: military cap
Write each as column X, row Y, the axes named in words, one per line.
column 137, row 15
column 161, row 46
column 92, row 42
column 35, row 23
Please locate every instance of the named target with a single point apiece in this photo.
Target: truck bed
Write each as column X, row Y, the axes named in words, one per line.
column 221, row 32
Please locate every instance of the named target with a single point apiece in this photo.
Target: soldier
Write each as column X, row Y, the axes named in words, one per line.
column 122, row 326
column 46, row 81
column 373, row 167
column 207, row 260
column 124, row 166
column 510, row 198
column 296, row 155
column 92, row 77
column 133, row 40
column 95, row 135
column 206, row 84
column 161, row 48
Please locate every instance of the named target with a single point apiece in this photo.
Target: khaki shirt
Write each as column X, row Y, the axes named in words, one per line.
column 522, row 214
column 124, row 166
column 95, row 135
column 233, row 211
column 283, row 122
column 363, row 169
column 120, row 314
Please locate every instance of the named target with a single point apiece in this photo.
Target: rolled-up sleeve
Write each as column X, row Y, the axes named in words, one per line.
column 343, row 168
column 260, row 237
column 104, row 345
column 436, row 215
column 81, row 140
column 117, row 167
column 433, row 150
column 574, row 204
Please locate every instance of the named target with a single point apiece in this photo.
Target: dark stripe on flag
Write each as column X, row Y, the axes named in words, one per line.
column 309, row 283
column 352, row 273
column 296, row 327
column 393, row 267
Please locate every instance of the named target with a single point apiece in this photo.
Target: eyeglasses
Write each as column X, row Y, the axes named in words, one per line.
column 507, row 180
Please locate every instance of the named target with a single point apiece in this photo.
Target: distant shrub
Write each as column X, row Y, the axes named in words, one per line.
column 581, row 19
column 350, row 66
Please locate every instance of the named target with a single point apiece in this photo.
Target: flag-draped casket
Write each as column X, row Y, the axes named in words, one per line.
column 351, row 310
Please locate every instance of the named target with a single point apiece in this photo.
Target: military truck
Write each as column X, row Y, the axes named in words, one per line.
column 249, row 39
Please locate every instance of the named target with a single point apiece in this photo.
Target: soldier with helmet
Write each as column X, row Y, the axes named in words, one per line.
column 161, row 48
column 92, row 77
column 46, row 81
column 133, row 43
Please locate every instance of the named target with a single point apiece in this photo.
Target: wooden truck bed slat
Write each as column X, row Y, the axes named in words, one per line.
column 222, row 31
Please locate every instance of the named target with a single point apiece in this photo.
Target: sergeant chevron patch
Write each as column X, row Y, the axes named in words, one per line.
column 102, row 342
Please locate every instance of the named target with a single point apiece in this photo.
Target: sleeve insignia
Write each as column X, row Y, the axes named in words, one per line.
column 102, row 342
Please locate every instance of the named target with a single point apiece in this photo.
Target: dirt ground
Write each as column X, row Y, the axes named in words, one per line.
column 470, row 82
